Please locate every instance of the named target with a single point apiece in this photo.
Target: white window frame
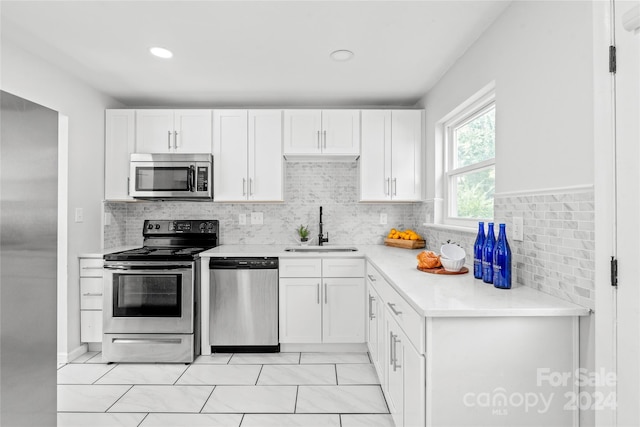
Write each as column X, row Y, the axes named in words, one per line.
column 468, row 111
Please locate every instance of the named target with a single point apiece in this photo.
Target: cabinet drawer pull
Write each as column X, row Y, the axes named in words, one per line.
column 91, row 294
column 393, row 308
column 370, row 276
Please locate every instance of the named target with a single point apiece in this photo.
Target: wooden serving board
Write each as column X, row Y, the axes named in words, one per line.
column 441, row 270
column 407, row 244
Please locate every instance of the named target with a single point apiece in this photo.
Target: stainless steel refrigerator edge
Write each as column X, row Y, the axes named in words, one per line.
column 244, row 304
column 28, row 262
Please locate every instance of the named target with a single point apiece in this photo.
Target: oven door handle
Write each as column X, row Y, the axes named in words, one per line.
column 147, row 267
column 147, row 341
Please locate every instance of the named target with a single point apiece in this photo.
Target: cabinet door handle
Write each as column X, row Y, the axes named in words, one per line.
column 325, row 293
column 325, row 138
column 390, row 348
column 318, row 140
column 251, row 186
column 175, row 139
column 393, row 308
column 91, row 294
column 395, row 352
column 318, row 291
column 395, row 186
column 370, row 276
column 387, row 189
column 371, row 300
column 244, row 186
column 169, row 139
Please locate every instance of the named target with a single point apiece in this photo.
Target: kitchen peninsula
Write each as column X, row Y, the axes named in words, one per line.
column 450, row 350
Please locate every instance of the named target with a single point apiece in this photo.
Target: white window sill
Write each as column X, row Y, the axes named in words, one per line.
column 451, row 228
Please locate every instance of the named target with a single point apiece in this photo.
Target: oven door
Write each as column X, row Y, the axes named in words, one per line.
column 186, row 180
column 148, row 297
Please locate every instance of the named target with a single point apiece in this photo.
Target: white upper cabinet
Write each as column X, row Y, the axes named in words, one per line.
column 391, row 155
column 247, row 155
column 119, row 144
column 173, row 131
column 313, row 132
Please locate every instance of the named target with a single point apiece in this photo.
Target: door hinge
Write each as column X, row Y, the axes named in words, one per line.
column 614, row 271
column 612, row 59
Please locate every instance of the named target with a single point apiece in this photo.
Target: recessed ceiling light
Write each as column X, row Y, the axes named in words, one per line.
column 341, row 55
column 161, row 52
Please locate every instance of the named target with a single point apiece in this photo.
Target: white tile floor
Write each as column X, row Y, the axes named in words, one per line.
column 225, row 390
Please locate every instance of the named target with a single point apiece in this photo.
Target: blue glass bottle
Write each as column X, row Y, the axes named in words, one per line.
column 477, row 252
column 502, row 261
column 487, row 255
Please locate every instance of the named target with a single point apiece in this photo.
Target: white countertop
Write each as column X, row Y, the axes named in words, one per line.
column 432, row 295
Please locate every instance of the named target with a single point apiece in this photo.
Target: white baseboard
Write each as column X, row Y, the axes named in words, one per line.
column 324, row 348
column 72, row 355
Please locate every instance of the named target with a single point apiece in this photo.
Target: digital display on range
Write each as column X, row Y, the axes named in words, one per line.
column 182, row 226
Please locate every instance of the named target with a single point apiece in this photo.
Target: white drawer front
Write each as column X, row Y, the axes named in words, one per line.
column 91, row 293
column 91, row 267
column 90, row 326
column 300, row 267
column 336, row 267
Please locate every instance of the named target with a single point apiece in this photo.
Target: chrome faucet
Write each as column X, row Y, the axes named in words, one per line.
column 321, row 238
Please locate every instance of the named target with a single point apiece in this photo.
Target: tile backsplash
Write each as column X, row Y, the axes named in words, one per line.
column 556, row 256
column 308, row 185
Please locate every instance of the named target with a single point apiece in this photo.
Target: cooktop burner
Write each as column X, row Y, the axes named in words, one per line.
column 171, row 240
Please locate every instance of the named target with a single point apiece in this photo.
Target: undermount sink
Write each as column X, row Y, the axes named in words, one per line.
column 320, row 249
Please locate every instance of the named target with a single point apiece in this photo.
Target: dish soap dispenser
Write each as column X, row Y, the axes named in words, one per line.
column 502, row 261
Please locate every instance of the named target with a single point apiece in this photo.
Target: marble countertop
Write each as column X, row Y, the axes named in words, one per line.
column 431, row 295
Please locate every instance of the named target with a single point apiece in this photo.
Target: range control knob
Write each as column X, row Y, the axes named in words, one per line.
column 150, row 226
column 157, row 226
column 202, row 226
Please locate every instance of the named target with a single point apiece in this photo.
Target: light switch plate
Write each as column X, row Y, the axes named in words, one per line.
column 242, row 219
column 79, row 215
column 518, row 229
column 383, row 218
column 256, row 218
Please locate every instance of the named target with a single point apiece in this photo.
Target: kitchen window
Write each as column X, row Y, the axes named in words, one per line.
column 469, row 167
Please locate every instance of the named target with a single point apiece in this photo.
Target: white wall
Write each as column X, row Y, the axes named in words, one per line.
column 540, row 56
column 32, row 78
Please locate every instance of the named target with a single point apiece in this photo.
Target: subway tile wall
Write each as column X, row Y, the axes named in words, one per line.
column 557, row 255
column 308, row 185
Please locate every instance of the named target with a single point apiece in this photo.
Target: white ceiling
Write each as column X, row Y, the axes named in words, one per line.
column 252, row 53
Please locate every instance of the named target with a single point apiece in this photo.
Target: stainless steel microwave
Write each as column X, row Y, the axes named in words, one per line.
column 171, row 176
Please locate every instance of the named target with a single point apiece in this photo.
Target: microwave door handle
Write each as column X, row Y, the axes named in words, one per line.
column 192, row 178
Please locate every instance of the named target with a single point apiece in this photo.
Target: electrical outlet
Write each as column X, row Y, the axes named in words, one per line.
column 383, row 218
column 79, row 215
column 518, row 228
column 242, row 219
column 108, row 217
column 256, row 218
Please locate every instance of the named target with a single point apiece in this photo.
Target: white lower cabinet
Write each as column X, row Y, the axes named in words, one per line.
column 456, row 371
column 399, row 364
column 91, row 299
column 317, row 308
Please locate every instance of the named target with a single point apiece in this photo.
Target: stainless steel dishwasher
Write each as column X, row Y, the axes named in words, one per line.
column 243, row 304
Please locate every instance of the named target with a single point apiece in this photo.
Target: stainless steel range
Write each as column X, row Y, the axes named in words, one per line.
column 151, row 294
